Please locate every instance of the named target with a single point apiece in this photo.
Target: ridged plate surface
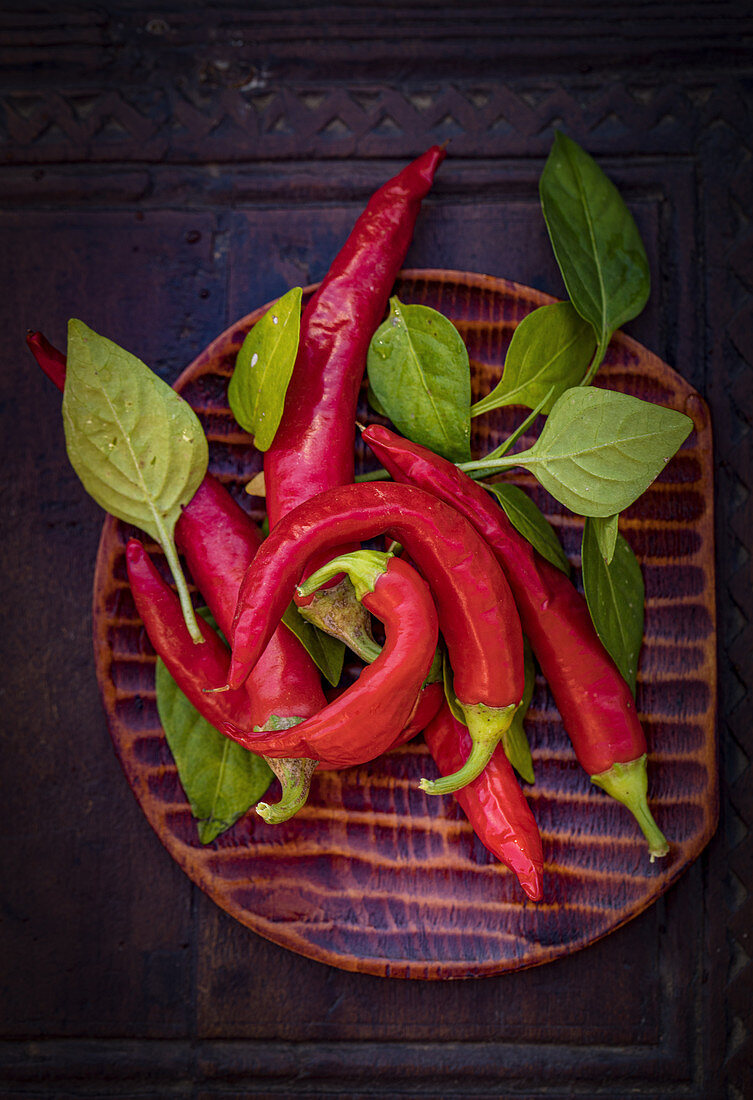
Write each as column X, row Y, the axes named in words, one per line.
column 374, row 875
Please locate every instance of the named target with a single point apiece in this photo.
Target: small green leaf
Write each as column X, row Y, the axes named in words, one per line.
column 419, row 372
column 517, row 734
column 527, row 519
column 551, row 347
column 257, row 388
column 599, row 449
column 606, row 528
column 448, row 681
column 614, row 594
column 373, row 401
column 595, row 240
column 327, row 653
column 220, row 778
column 138, row 447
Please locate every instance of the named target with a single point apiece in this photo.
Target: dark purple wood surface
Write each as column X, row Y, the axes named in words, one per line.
column 165, row 170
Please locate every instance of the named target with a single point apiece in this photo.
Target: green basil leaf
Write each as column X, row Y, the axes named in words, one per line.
column 137, row 446
column 595, row 239
column 527, row 519
column 419, row 372
column 599, row 449
column 220, row 778
column 258, row 385
column 327, row 653
column 606, row 528
column 614, row 594
column 551, row 347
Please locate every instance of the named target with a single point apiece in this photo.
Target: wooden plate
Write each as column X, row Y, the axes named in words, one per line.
column 374, row 875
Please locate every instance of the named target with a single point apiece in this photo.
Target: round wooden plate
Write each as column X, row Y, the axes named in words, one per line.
column 376, row 876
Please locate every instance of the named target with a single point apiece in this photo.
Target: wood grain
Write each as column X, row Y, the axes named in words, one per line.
column 374, row 875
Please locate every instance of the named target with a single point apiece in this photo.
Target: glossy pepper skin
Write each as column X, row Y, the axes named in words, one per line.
column 493, row 803
column 313, row 449
column 427, row 704
column 597, row 707
column 366, row 719
column 477, row 614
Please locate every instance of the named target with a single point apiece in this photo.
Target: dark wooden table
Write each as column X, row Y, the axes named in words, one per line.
column 167, row 168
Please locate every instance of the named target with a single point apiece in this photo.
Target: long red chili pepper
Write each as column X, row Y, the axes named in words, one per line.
column 313, row 448
column 477, row 614
column 493, row 803
column 219, row 540
column 596, row 704
column 366, row 719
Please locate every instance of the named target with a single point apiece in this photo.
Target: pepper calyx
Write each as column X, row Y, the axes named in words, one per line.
column 628, row 784
column 487, row 726
column 364, row 567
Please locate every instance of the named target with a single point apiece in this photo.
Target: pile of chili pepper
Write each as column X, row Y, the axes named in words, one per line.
column 458, row 577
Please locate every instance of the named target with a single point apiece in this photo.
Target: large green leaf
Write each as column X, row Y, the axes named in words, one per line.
column 526, row 518
column 257, row 388
column 595, row 240
column 599, row 449
column 419, row 372
column 220, row 778
column 614, row 594
column 137, row 446
column 551, row 347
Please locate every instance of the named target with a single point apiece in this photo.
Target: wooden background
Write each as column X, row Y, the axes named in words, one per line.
column 166, row 169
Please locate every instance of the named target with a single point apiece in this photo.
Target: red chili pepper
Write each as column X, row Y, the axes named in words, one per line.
column 366, row 719
column 596, row 704
column 219, row 540
column 477, row 614
column 428, row 703
column 49, row 358
column 493, row 803
column 313, row 448
column 426, row 706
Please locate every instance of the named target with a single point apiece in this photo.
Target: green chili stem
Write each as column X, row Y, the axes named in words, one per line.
column 628, row 783
column 295, row 778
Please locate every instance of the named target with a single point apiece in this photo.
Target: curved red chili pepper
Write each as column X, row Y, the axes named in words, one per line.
column 426, row 706
column 596, row 704
column 313, row 448
column 477, row 614
column 493, row 803
column 366, row 719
